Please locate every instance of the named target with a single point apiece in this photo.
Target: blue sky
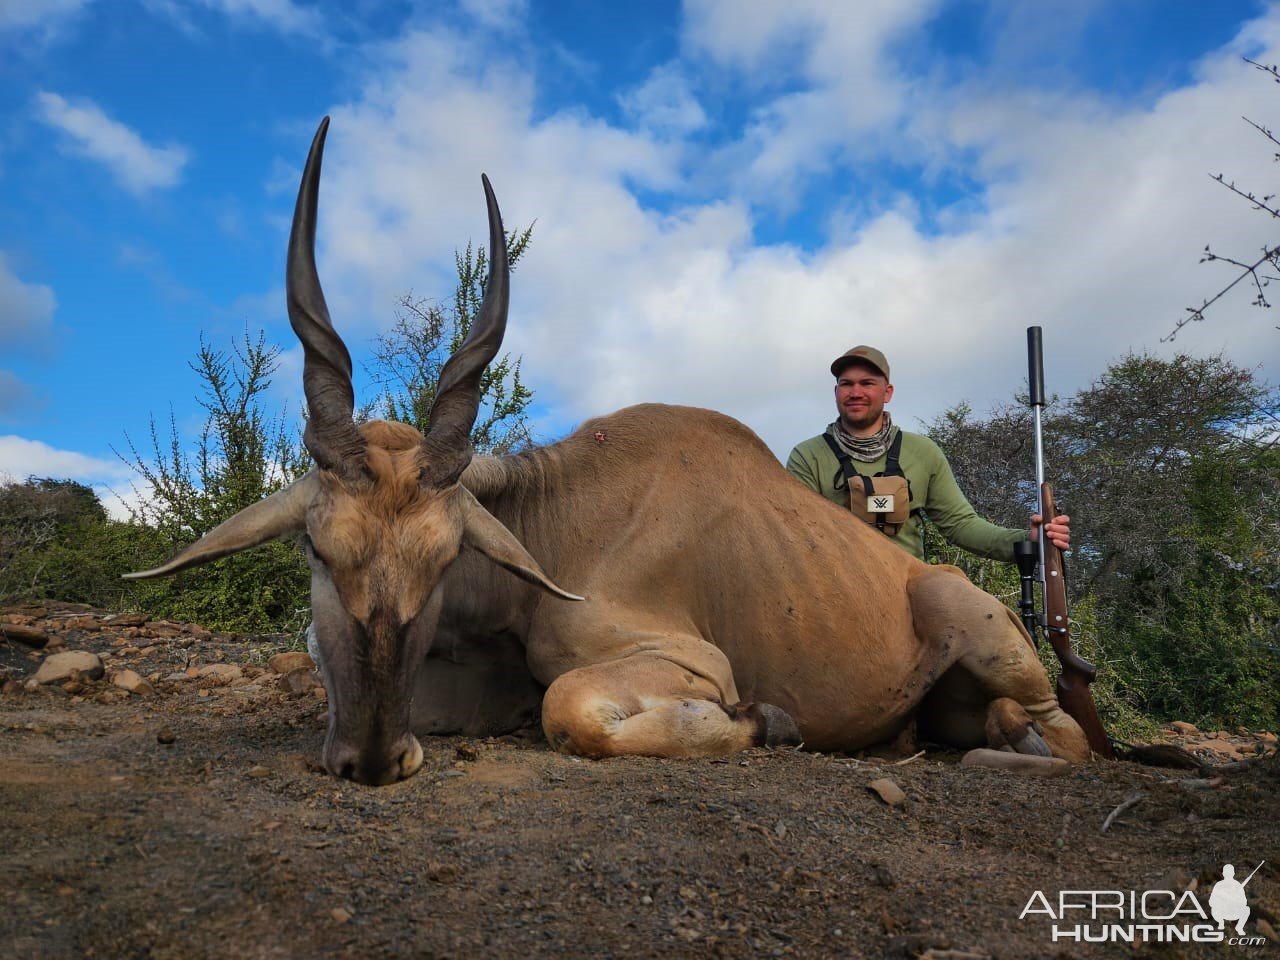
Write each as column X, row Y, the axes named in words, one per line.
column 727, row 194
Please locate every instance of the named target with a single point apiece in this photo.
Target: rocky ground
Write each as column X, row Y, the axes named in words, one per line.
column 161, row 797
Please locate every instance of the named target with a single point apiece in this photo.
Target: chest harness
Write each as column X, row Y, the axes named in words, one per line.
column 883, row 499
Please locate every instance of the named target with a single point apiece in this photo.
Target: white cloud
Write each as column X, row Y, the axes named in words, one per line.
column 26, row 309
column 138, row 166
column 503, row 15
column 38, row 16
column 284, row 15
column 21, row 458
column 1089, row 224
column 664, row 103
column 843, row 96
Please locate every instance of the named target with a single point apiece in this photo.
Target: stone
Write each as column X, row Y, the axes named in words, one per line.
column 165, row 736
column 340, row 915
column 83, row 623
column 888, row 791
column 1222, row 750
column 1020, row 763
column 292, row 660
column 126, row 619
column 258, row 772
column 222, row 671
column 1181, row 726
column 27, row 636
column 298, row 682
column 131, row 681
column 59, row 667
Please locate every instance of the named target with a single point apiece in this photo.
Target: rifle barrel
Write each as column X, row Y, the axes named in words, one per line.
column 1035, row 386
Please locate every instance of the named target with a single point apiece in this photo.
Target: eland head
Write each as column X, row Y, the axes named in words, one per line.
column 382, row 514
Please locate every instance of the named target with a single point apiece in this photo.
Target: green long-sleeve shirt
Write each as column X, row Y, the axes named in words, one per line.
column 933, row 489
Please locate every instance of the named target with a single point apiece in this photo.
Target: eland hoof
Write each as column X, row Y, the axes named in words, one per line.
column 774, row 726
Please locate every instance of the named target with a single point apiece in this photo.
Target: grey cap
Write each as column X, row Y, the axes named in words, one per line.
column 863, row 354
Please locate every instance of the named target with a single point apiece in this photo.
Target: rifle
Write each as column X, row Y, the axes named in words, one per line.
column 1077, row 673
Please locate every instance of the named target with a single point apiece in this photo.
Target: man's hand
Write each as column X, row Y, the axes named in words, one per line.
column 1059, row 530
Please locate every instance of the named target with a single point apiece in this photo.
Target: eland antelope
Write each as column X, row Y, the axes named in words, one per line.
column 716, row 602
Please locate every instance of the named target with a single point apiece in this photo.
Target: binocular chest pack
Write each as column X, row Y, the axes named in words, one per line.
column 882, row 500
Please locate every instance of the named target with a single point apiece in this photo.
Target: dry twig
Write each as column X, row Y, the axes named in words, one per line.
column 1131, row 801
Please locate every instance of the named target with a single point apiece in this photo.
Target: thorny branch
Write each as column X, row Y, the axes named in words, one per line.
column 1270, row 255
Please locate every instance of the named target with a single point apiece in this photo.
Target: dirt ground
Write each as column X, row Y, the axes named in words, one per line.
column 190, row 818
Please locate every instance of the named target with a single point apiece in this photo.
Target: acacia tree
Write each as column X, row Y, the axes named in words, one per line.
column 408, row 359
column 243, row 454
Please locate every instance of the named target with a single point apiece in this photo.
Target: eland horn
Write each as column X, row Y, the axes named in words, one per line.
column 331, row 435
column 447, row 445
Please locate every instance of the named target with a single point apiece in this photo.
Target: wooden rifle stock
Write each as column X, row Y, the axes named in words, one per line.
column 1077, row 673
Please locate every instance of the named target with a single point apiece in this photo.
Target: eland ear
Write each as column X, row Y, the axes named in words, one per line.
column 482, row 530
column 284, row 512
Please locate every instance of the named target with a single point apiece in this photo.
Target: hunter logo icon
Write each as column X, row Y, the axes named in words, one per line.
column 1227, row 900
column 1149, row 916
column 882, row 504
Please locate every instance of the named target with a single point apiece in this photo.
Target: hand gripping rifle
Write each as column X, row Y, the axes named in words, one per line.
column 1077, row 673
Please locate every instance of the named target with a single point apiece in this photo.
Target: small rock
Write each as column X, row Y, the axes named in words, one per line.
column 166, row 736
column 83, row 623
column 339, row 915
column 126, row 619
column 129, row 680
column 299, row 681
column 28, row 636
column 888, row 791
column 223, row 671
column 1220, row 748
column 320, row 693
column 1181, row 726
column 258, row 772
column 1021, row 763
column 466, row 751
column 290, row 661
column 442, row 872
column 66, row 666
